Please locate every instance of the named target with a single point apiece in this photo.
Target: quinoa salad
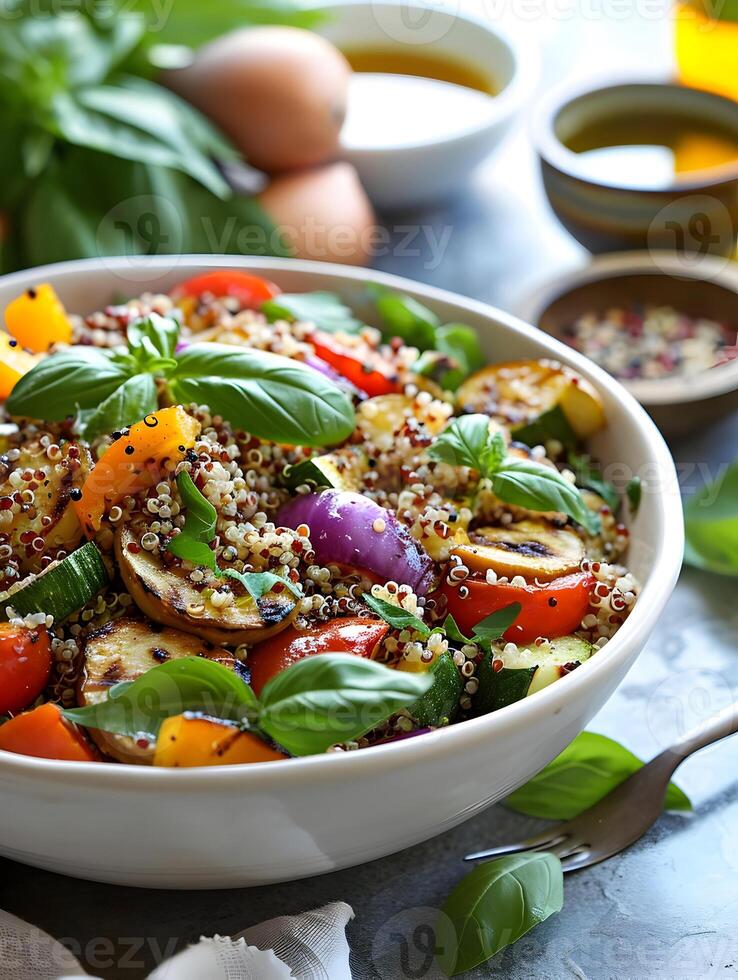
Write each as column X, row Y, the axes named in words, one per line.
column 239, row 525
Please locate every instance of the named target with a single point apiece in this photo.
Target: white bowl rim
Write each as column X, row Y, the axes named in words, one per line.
column 443, row 742
column 557, row 155
column 501, row 106
column 661, row 391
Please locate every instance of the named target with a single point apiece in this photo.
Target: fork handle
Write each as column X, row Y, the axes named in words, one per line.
column 719, row 726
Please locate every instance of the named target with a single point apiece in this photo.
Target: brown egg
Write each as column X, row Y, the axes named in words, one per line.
column 278, row 92
column 323, row 214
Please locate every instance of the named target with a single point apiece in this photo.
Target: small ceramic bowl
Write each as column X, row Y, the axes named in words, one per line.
column 678, row 405
column 400, row 174
column 697, row 212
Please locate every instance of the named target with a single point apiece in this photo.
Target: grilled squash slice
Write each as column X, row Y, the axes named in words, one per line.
column 49, row 524
column 168, row 596
column 519, row 393
column 532, row 549
column 124, row 650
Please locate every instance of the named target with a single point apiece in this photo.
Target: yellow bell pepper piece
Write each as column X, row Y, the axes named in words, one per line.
column 134, row 462
column 14, row 363
column 191, row 740
column 37, row 319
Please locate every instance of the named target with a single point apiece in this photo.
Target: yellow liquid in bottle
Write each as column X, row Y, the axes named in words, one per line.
column 706, row 48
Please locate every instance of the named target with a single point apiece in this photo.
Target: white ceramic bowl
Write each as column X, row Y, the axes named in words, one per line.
column 248, row 825
column 407, row 174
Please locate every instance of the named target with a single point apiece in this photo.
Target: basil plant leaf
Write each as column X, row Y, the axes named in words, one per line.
column 591, row 478
column 80, row 377
column 712, row 525
column 493, row 626
column 325, row 310
column 153, row 337
column 527, row 483
column 634, row 492
column 463, row 442
column 497, row 904
column 129, row 403
column 406, row 318
column 461, row 344
column 332, row 697
column 586, row 771
column 200, row 516
column 258, row 584
column 189, row 684
column 270, row 396
column 397, row 618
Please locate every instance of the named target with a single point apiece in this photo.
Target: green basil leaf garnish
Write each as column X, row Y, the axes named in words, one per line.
column 461, row 344
column 467, row 441
column 270, row 396
column 712, row 525
column 404, row 317
column 153, row 338
column 57, row 386
column 397, row 618
column 590, row 477
column 189, row 684
column 585, row 772
column 549, row 425
column 258, row 584
column 129, row 403
column 497, row 904
column 330, row 698
column 634, row 492
column 201, row 516
column 491, row 628
column 325, row 310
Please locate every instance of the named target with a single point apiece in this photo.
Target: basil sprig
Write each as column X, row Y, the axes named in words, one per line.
column 497, row 904
column 397, row 617
column 449, row 352
column 191, row 544
column 586, row 771
column 272, row 397
column 313, row 704
column 325, row 310
column 467, row 441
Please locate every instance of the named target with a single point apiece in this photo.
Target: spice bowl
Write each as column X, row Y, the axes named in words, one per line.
column 678, row 403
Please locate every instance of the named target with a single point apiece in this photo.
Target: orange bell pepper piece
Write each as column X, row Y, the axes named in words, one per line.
column 134, row 462
column 37, row 319
column 45, row 733
column 192, row 740
column 14, row 363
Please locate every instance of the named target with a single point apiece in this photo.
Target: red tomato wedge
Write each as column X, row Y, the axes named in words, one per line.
column 368, row 371
column 25, row 664
column 251, row 291
column 554, row 609
column 351, row 635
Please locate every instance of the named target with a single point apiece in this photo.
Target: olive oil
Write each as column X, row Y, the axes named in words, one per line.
column 387, row 61
column 652, row 150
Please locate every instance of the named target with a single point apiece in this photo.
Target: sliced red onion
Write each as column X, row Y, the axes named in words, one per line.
column 350, row 529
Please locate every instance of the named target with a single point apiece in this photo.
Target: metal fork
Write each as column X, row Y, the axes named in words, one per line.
column 626, row 813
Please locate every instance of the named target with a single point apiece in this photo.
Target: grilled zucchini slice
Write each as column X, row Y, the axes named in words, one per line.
column 123, row 650
column 532, row 549
column 49, row 524
column 167, row 595
column 519, row 393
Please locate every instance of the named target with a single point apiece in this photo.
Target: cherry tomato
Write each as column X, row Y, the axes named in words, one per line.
column 554, row 609
column 250, row 291
column 368, row 370
column 25, row 665
column 351, row 635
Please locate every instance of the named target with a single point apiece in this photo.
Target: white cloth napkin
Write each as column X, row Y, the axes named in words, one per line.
column 311, row 946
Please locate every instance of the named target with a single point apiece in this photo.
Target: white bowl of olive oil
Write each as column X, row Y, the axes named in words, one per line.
column 433, row 93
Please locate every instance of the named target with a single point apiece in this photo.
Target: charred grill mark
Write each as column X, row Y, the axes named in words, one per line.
column 113, row 672
column 273, row 611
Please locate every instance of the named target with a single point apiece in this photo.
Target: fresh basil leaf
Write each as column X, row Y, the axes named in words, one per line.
column 527, row 483
column 585, row 772
column 550, row 425
column 330, row 698
column 461, row 344
column 129, row 403
column 712, row 525
column 192, row 550
column 270, row 396
column 467, row 441
column 404, row 317
column 634, row 492
column 493, row 626
column 188, row 684
column 200, row 516
column 497, row 904
column 397, row 618
column 153, row 337
column 591, row 478
column 57, row 386
column 325, row 310
column 453, row 633
column 259, row 584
